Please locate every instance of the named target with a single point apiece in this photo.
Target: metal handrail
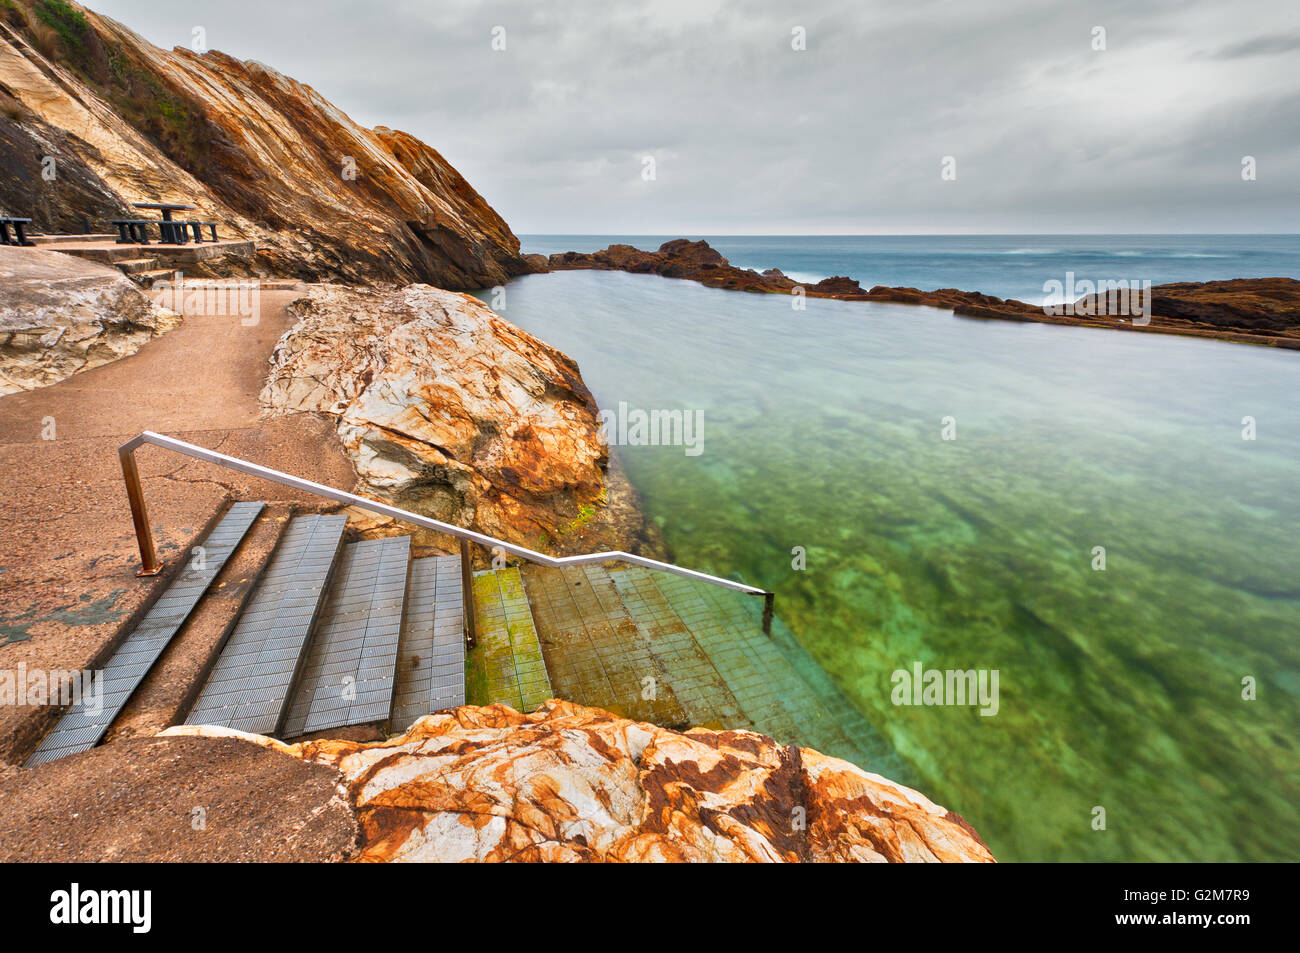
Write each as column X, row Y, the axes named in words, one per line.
column 152, row 566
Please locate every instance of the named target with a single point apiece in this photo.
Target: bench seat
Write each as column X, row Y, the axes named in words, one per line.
column 20, row 235
column 131, row 231
column 198, row 227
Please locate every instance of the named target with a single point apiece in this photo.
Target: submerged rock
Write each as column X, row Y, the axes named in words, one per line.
column 569, row 783
column 60, row 315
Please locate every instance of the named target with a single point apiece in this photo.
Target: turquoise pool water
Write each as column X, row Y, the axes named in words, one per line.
column 1120, row 689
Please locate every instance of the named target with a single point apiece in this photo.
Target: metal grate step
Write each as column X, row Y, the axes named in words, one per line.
column 348, row 676
column 431, row 664
column 846, row 733
column 249, row 686
column 80, row 729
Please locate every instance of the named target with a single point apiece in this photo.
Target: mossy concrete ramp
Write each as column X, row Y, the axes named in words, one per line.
column 506, row 665
column 662, row 648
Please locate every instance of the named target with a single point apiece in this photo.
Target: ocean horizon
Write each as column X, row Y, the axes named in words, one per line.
column 1004, row 265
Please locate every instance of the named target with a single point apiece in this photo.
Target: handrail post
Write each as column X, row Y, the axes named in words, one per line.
column 769, row 607
column 149, row 564
column 467, row 589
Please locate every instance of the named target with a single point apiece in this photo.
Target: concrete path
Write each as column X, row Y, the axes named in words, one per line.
column 175, row 800
column 67, row 551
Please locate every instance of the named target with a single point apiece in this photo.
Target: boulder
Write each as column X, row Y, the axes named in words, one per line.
column 60, row 315
column 570, row 783
column 838, row 285
column 679, row 258
column 448, row 410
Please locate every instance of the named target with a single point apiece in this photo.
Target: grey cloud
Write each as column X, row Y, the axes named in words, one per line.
column 1259, row 46
column 750, row 136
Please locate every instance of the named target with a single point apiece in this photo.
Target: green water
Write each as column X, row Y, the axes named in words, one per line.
column 1119, row 689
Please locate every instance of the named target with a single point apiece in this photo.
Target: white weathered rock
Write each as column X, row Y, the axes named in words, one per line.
column 447, row 409
column 60, row 315
column 572, row 783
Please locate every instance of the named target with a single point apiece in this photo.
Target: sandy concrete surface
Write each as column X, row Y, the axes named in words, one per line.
column 175, row 799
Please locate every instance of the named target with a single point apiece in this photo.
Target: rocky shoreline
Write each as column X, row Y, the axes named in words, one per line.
column 573, row 783
column 1263, row 311
column 564, row 783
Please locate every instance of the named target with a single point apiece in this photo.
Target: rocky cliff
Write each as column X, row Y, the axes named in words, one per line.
column 60, row 315
column 569, row 783
column 449, row 410
column 265, row 155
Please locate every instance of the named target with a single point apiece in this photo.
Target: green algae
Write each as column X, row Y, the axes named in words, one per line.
column 505, row 666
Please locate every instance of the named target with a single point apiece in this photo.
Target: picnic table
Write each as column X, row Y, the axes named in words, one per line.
column 165, row 207
column 170, row 233
column 19, row 225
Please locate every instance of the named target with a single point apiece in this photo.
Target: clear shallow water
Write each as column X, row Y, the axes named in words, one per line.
column 1009, row 266
column 1119, row 689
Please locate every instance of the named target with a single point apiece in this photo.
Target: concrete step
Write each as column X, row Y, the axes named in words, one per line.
column 506, row 664
column 431, row 662
column 105, row 254
column 178, row 256
column 349, row 671
column 147, row 278
column 80, row 728
column 250, row 684
column 132, row 266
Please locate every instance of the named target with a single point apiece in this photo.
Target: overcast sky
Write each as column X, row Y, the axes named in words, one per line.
column 848, row 136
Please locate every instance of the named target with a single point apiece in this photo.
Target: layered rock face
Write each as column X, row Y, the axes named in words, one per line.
column 450, row 411
column 60, row 315
column 263, row 154
column 569, row 783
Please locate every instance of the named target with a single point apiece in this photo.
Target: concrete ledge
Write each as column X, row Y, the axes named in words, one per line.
column 109, row 252
column 61, row 239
